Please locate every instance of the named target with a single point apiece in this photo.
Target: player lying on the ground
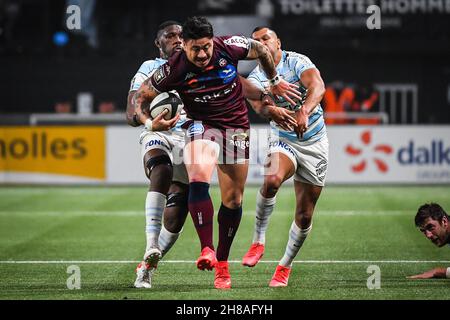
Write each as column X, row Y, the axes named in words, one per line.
column 168, row 178
column 300, row 151
column 433, row 222
column 205, row 75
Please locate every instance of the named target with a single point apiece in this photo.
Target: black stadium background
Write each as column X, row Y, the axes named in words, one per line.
column 412, row 48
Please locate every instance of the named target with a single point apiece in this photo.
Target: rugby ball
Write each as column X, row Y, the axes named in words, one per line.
column 170, row 101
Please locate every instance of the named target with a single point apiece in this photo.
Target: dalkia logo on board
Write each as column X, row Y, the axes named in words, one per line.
column 379, row 149
column 433, row 153
column 74, row 151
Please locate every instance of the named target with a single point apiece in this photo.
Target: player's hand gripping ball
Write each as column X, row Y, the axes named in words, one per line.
column 169, row 101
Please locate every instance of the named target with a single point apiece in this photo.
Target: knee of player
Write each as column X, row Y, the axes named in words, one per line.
column 304, row 217
column 160, row 167
column 273, row 182
column 233, row 201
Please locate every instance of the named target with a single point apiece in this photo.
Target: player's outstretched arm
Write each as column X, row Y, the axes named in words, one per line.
column 278, row 86
column 266, row 109
column 434, row 273
column 316, row 89
column 264, row 105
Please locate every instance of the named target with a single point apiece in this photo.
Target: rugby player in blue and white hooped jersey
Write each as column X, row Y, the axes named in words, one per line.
column 161, row 150
column 300, row 151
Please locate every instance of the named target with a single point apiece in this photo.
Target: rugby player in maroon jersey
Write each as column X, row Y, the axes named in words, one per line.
column 205, row 75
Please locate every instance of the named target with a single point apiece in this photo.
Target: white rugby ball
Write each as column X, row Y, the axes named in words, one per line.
column 170, row 101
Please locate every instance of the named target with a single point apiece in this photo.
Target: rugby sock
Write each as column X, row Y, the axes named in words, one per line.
column 167, row 239
column 154, row 208
column 296, row 238
column 229, row 220
column 202, row 212
column 264, row 208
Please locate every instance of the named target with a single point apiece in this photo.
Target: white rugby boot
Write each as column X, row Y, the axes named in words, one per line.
column 146, row 268
column 143, row 276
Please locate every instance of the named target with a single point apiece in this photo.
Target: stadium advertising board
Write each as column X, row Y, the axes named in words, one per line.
column 397, row 154
column 358, row 155
column 52, row 154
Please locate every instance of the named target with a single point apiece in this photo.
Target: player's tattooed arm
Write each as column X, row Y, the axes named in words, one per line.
column 144, row 95
column 279, row 86
column 131, row 114
column 136, row 116
column 259, row 51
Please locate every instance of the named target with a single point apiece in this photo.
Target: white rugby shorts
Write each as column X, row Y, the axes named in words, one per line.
column 172, row 142
column 310, row 159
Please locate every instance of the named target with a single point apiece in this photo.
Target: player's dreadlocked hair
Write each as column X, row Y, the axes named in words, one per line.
column 196, row 28
column 430, row 210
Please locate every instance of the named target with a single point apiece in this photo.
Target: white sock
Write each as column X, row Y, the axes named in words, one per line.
column 154, row 208
column 264, row 208
column 167, row 239
column 296, row 238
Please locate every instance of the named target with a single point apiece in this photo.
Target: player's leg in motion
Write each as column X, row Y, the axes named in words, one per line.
column 232, row 179
column 200, row 158
column 279, row 168
column 158, row 167
column 306, row 197
column 175, row 215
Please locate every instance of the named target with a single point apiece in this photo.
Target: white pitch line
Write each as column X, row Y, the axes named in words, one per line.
column 93, row 213
column 231, row 261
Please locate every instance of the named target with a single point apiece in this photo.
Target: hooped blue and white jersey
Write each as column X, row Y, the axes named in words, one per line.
column 145, row 71
column 290, row 68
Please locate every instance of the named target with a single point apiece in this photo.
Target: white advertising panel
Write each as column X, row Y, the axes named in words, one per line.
column 394, row 154
column 111, row 155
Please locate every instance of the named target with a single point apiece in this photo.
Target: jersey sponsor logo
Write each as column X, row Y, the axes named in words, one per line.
column 189, row 75
column 228, row 74
column 321, row 170
column 240, row 140
column 195, row 129
column 161, row 73
column 222, row 62
column 281, row 144
column 240, row 135
column 299, row 57
column 215, row 95
column 242, row 144
column 156, row 143
column 238, row 41
column 196, row 89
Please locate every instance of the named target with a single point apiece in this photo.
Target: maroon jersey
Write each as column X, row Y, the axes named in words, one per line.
column 213, row 94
